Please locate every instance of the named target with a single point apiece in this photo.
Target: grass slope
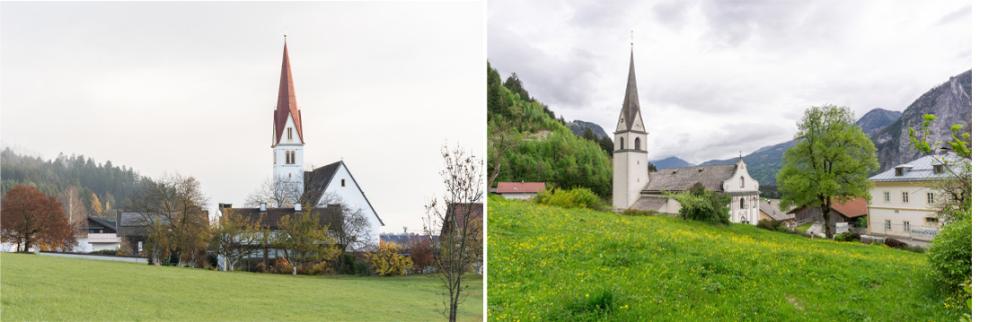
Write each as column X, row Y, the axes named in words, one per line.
column 49, row 288
column 548, row 263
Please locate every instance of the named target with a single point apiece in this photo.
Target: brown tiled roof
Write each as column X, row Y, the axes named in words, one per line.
column 286, row 105
column 852, row 208
column 331, row 216
column 681, row 179
column 520, row 187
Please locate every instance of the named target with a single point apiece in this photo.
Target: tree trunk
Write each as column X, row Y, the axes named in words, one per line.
column 829, row 230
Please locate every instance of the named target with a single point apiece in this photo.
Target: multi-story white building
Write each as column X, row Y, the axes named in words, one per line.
column 634, row 187
column 905, row 200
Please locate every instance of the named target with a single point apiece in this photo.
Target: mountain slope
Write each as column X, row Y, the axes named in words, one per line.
column 537, row 146
column 557, row 264
column 671, row 162
column 876, row 120
column 950, row 102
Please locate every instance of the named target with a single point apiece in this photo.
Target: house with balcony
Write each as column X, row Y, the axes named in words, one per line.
column 905, row 201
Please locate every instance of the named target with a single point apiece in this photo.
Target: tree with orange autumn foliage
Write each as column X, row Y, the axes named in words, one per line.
column 30, row 218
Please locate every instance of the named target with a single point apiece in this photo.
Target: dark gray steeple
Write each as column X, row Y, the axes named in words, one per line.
column 630, row 106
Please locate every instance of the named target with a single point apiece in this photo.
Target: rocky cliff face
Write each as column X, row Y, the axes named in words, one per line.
column 876, row 120
column 579, row 127
column 950, row 102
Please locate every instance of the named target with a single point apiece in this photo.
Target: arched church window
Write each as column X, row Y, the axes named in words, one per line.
column 621, row 143
column 742, row 181
column 343, row 182
column 289, row 133
column 637, row 143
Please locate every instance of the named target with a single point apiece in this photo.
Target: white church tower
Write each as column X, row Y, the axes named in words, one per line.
column 629, row 158
column 287, row 133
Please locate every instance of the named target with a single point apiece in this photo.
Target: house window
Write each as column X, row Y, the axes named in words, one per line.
column 887, row 196
column 887, row 224
column 904, row 197
column 908, row 227
column 621, row 143
column 938, row 168
column 899, row 172
column 931, row 198
column 343, row 182
column 637, row 144
column 931, row 220
column 289, row 133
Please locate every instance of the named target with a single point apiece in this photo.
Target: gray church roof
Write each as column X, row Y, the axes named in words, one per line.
column 630, row 106
column 649, row 203
column 316, row 181
column 681, row 179
column 920, row 169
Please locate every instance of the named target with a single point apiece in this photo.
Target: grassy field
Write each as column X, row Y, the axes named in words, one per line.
column 49, row 288
column 549, row 263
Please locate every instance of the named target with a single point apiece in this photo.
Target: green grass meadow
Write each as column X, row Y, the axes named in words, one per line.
column 548, row 263
column 54, row 289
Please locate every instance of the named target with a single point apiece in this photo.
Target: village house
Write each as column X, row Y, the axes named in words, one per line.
column 768, row 209
column 634, row 187
column 847, row 212
column 519, row 190
column 99, row 235
column 905, row 202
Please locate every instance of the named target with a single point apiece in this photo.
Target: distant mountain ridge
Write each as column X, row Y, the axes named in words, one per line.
column 950, row 101
column 671, row 162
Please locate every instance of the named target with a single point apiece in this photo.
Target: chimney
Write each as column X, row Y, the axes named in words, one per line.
column 261, row 207
column 296, row 207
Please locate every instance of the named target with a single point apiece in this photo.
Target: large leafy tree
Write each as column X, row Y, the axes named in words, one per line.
column 30, row 218
column 831, row 161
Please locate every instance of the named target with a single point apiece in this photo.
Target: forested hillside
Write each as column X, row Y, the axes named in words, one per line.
column 527, row 142
column 98, row 188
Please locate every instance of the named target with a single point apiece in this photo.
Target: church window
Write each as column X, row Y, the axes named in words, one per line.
column 289, row 133
column 742, row 181
column 637, row 144
column 287, row 155
column 621, row 143
column 904, row 197
column 293, row 157
column 343, row 182
column 887, row 224
column 742, row 203
column 887, row 196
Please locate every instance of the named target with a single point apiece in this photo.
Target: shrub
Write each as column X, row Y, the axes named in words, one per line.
column 421, row 252
column 771, row 224
column 283, row 266
column 703, row 205
column 891, row 242
column 125, row 249
column 950, row 260
column 315, row 268
column 847, row 236
column 635, row 212
column 388, row 261
column 107, row 252
column 573, row 198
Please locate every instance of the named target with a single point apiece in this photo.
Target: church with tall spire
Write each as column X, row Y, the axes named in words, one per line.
column 635, row 187
column 329, row 189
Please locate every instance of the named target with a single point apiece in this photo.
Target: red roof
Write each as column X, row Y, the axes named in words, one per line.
column 286, row 105
column 852, row 208
column 520, row 187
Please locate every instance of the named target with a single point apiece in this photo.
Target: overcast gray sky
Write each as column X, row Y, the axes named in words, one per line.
column 718, row 77
column 190, row 88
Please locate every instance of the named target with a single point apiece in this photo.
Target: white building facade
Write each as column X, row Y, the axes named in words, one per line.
column 905, row 202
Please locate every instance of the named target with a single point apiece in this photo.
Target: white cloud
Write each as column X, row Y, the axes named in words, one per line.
column 717, row 77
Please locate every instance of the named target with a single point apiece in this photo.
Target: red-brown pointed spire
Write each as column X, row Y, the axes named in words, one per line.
column 286, row 106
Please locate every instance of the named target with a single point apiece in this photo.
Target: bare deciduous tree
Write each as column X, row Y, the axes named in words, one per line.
column 235, row 237
column 275, row 193
column 453, row 216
